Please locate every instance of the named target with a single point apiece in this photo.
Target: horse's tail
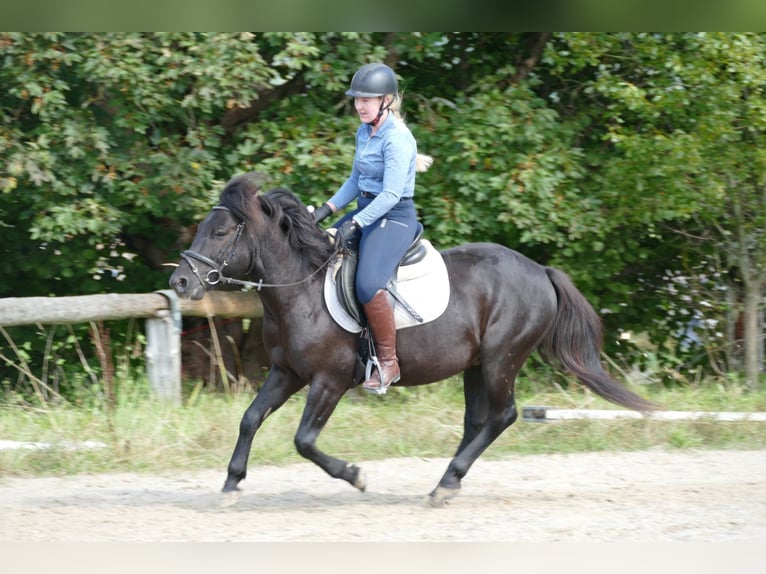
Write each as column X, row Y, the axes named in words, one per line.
column 575, row 340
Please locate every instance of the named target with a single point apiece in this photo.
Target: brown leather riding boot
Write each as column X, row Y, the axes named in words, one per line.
column 380, row 316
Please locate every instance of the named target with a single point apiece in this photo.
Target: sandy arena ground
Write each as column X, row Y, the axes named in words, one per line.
column 649, row 496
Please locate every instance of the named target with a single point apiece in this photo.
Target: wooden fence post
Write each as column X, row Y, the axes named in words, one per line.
column 163, row 350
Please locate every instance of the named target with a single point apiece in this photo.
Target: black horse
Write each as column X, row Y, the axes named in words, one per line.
column 502, row 307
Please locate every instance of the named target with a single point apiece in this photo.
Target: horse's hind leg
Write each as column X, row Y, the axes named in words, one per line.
column 500, row 405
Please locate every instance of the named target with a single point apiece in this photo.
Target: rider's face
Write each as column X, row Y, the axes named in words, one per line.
column 367, row 108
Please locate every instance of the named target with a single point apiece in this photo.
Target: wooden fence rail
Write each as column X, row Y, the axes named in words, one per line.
column 162, row 310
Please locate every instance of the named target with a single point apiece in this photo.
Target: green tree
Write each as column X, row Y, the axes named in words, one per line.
column 629, row 160
column 675, row 146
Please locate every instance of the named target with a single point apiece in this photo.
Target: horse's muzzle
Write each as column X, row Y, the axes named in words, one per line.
column 186, row 288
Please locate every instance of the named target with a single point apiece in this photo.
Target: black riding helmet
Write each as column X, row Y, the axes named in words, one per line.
column 373, row 81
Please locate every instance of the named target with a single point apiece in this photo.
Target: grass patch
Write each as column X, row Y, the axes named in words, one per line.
column 143, row 435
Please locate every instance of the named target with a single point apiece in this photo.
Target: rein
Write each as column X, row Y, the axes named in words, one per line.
column 216, row 275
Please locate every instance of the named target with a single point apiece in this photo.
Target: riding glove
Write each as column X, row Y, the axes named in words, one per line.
column 348, row 234
column 322, row 213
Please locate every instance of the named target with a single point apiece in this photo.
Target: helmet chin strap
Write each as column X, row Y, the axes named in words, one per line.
column 383, row 108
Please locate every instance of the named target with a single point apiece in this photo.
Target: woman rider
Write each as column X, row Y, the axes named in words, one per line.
column 382, row 181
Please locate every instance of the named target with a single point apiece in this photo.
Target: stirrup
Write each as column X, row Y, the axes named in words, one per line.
column 381, row 389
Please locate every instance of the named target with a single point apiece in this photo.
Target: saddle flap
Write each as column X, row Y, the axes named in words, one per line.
column 346, row 286
column 417, row 251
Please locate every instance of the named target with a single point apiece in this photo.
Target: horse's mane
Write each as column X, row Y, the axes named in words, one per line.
column 243, row 195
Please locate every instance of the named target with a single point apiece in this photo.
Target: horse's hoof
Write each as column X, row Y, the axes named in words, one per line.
column 360, row 482
column 440, row 496
column 230, row 497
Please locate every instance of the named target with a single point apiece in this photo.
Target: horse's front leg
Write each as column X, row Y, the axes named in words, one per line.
column 279, row 386
column 320, row 404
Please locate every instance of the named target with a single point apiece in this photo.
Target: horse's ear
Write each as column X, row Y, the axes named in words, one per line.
column 257, row 181
column 253, row 188
column 263, row 204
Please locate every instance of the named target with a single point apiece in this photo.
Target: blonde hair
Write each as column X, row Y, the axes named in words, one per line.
column 396, row 105
column 422, row 161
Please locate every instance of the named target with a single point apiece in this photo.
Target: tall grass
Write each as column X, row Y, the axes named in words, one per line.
column 145, row 435
column 109, row 402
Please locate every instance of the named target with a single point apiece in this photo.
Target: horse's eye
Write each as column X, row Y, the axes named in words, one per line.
column 219, row 233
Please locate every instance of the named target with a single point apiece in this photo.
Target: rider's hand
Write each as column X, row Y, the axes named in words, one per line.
column 348, row 234
column 322, row 213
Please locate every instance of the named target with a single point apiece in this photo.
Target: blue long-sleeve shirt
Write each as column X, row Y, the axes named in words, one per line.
column 384, row 165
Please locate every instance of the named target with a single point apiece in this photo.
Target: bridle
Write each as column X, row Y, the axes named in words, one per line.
column 216, row 273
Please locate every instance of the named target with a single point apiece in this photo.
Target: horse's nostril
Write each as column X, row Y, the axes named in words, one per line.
column 180, row 284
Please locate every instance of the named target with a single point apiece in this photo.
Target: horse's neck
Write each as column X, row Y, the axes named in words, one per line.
column 289, row 283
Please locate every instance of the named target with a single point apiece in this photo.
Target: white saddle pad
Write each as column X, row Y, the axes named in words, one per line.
column 423, row 285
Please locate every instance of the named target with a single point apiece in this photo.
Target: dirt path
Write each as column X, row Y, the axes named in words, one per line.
column 644, row 496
